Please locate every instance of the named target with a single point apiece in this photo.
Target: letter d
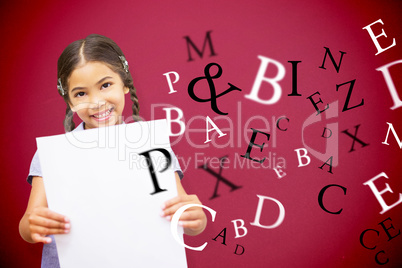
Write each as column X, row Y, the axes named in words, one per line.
column 258, row 213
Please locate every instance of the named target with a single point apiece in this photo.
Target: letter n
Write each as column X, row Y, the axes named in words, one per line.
column 328, row 52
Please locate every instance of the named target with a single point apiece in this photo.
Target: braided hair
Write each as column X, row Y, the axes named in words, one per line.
column 99, row 48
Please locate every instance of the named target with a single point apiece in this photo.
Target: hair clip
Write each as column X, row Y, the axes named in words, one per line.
column 60, row 87
column 124, row 62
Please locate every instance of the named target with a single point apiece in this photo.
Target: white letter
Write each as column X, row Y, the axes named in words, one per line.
column 177, row 120
column 175, row 221
column 374, row 38
column 278, row 171
column 214, row 127
column 390, row 83
column 378, row 194
column 391, row 127
column 258, row 213
column 300, row 156
column 273, row 81
column 238, row 227
column 177, row 77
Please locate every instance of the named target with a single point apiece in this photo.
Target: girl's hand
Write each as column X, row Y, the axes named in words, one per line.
column 38, row 220
column 193, row 219
column 43, row 222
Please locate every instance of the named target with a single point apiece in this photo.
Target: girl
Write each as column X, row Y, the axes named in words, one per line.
column 93, row 78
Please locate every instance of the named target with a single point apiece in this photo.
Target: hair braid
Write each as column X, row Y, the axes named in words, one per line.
column 136, row 105
column 69, row 124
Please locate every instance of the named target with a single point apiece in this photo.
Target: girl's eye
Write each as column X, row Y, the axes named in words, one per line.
column 80, row 94
column 106, row 85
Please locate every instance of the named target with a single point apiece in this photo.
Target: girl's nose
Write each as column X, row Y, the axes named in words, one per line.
column 97, row 101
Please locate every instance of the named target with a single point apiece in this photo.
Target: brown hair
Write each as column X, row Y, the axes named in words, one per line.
column 94, row 47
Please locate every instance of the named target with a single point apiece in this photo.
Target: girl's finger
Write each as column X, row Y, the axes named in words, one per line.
column 47, row 231
column 191, row 215
column 179, row 199
column 195, row 224
column 47, row 213
column 49, row 223
column 41, row 239
column 172, row 209
column 172, row 202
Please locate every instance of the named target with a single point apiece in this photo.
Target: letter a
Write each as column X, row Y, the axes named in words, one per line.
column 214, row 127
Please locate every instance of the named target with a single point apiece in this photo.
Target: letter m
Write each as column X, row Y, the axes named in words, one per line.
column 200, row 53
column 391, row 127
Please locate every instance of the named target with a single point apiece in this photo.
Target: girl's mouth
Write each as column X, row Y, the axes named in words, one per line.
column 102, row 116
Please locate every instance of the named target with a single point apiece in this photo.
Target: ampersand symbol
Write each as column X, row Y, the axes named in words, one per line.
column 211, row 85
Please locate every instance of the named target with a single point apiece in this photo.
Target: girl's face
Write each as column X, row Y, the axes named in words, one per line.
column 96, row 94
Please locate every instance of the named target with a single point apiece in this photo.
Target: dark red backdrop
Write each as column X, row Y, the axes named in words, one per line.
column 152, row 36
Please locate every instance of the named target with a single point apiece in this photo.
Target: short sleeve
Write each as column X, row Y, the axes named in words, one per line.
column 34, row 169
column 175, row 164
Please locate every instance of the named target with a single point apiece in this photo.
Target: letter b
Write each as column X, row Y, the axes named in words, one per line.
column 273, row 81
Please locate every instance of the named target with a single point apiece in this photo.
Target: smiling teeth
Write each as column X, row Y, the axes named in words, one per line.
column 103, row 115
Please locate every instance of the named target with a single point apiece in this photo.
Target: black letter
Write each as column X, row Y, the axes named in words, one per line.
column 223, row 236
column 321, row 194
column 219, row 177
column 237, row 245
column 294, row 78
column 200, row 53
column 277, row 123
column 376, row 258
column 327, row 51
column 151, row 167
column 386, row 230
column 362, row 235
column 324, row 133
column 330, row 164
column 250, row 146
column 345, row 106
column 354, row 138
column 315, row 103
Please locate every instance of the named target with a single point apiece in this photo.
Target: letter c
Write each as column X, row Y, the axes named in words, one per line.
column 277, row 123
column 362, row 236
column 175, row 221
column 321, row 195
column 376, row 258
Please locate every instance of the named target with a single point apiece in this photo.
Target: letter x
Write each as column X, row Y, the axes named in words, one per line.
column 219, row 177
column 354, row 138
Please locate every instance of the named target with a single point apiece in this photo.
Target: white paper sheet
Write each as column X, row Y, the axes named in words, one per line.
column 98, row 179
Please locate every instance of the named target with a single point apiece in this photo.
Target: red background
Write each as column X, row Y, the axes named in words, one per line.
column 151, row 34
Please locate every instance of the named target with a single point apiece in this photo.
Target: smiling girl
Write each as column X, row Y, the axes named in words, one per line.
column 93, row 78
